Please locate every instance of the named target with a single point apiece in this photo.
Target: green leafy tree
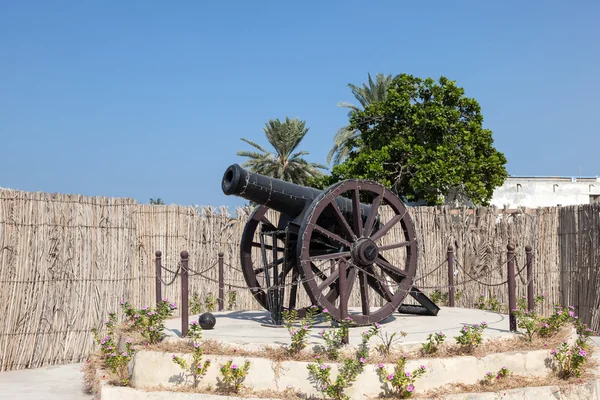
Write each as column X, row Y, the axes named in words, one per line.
column 157, row 201
column 345, row 138
column 285, row 162
column 425, row 140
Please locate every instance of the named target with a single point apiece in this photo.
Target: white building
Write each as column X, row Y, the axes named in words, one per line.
column 533, row 191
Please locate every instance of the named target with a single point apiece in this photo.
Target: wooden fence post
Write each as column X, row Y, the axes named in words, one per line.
column 529, row 261
column 450, row 276
column 184, row 293
column 512, row 294
column 158, row 278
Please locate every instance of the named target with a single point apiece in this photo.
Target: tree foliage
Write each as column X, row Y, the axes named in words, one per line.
column 424, row 140
column 345, row 138
column 285, row 162
column 157, row 201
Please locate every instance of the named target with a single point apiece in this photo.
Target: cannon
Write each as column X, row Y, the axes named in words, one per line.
column 326, row 241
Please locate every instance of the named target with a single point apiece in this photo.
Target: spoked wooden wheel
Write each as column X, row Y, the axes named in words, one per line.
column 367, row 229
column 255, row 272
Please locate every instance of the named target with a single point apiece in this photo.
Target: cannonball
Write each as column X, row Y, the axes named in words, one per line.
column 207, row 321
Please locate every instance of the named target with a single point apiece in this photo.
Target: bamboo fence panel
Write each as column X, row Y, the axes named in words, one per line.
column 66, row 261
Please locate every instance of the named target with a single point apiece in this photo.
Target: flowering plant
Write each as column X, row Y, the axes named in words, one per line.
column 334, row 338
column 502, row 373
column 350, row 369
column 470, row 336
column 401, row 381
column 117, row 361
column 234, row 375
column 568, row 360
column 433, row 342
column 197, row 368
column 147, row 321
column 299, row 336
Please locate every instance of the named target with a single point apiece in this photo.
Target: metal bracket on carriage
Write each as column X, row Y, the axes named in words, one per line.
column 325, row 240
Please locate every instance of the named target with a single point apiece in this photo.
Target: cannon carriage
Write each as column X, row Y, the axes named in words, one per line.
column 333, row 244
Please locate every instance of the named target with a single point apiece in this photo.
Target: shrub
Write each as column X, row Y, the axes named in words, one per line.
column 401, row 381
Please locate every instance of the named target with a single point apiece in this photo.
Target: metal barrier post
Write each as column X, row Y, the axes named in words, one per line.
column 158, row 277
column 221, row 283
column 450, row 276
column 184, row 293
column 529, row 261
column 512, row 295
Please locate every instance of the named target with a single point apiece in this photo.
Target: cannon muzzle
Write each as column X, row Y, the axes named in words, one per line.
column 282, row 196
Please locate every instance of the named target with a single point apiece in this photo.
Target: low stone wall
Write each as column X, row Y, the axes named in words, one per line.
column 152, row 369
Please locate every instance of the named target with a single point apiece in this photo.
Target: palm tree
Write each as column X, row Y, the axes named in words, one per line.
column 285, row 162
column 343, row 142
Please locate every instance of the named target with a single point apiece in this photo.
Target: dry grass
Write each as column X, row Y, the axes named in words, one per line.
column 512, row 382
column 281, row 354
column 91, row 383
column 288, row 394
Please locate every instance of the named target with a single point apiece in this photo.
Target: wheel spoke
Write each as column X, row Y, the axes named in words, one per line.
column 377, row 282
column 372, row 215
column 269, row 265
column 385, row 228
column 267, row 247
column 329, row 280
column 393, row 246
column 332, row 236
column 331, row 256
column 294, row 289
column 350, row 280
column 340, row 217
column 394, row 273
column 364, row 292
column 356, row 214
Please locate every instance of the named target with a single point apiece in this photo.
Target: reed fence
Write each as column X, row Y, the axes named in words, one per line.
column 66, row 261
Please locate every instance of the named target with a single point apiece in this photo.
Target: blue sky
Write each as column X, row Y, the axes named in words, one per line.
column 149, row 99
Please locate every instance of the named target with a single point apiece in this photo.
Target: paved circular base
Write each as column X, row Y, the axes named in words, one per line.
column 251, row 328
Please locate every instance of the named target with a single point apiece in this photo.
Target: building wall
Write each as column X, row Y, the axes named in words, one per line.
column 546, row 192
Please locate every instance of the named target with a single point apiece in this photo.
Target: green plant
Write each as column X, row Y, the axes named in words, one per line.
column 231, row 299
column 528, row 319
column 299, row 336
column 434, row 340
column 334, row 337
column 195, row 304
column 147, row 321
column 401, row 381
column 568, row 360
column 470, row 336
column 490, row 304
column 351, row 367
column 210, row 302
column 439, row 298
column 197, row 368
column 501, row 374
column 233, row 375
column 116, row 361
column 385, row 348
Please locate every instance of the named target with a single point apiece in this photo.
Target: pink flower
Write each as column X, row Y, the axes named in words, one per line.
column 124, row 354
column 325, row 310
column 362, row 360
column 422, row 367
column 380, row 365
column 582, row 353
column 234, row 366
column 377, row 325
column 173, row 356
column 410, row 388
column 571, row 314
column 390, row 377
column 323, row 367
column 196, row 345
column 407, row 373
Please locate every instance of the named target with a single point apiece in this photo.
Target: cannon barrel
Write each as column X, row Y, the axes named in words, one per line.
column 286, row 197
column 282, row 196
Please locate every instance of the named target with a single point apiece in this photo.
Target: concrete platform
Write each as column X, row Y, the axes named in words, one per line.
column 248, row 328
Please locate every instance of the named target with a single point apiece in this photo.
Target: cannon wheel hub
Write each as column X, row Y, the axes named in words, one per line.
column 364, row 252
